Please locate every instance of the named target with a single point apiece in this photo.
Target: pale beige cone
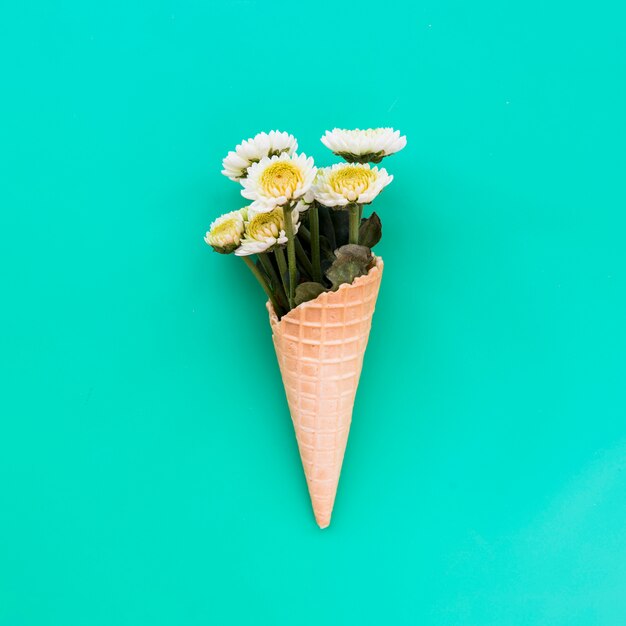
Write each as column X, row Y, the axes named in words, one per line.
column 320, row 346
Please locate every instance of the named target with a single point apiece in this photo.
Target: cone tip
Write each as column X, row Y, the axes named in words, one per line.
column 323, row 521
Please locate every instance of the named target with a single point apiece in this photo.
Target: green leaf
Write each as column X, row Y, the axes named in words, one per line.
column 370, row 231
column 354, row 251
column 327, row 254
column 326, row 250
column 308, row 291
column 352, row 261
column 372, row 157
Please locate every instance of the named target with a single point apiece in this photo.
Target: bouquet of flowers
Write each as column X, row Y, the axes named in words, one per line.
column 304, row 237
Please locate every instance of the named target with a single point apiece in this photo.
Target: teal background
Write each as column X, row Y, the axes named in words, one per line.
column 148, row 470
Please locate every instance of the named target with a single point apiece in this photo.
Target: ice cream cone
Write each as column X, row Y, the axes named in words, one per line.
column 320, row 346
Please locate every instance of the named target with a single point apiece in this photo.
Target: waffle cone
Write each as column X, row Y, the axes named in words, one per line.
column 320, row 346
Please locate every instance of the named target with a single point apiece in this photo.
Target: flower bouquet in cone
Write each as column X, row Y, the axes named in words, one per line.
column 314, row 260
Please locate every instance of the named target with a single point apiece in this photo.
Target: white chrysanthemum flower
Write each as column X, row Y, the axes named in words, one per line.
column 225, row 233
column 304, row 204
column 251, row 151
column 364, row 146
column 349, row 183
column 265, row 230
column 275, row 181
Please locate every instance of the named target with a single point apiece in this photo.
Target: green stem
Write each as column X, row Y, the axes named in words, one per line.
column 354, row 223
column 314, row 223
column 303, row 258
column 276, row 281
column 303, row 232
column 282, row 268
column 291, row 254
column 257, row 274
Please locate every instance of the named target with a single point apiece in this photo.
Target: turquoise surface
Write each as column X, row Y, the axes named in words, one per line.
column 148, row 470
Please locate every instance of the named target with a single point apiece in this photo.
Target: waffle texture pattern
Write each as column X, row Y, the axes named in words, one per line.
column 320, row 346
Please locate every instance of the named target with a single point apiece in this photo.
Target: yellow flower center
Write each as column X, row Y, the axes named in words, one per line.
column 351, row 181
column 281, row 178
column 267, row 225
column 227, row 231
